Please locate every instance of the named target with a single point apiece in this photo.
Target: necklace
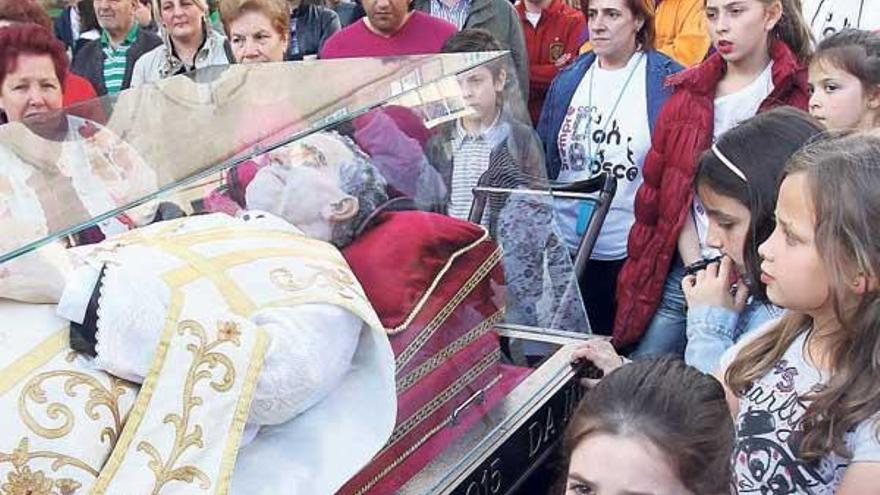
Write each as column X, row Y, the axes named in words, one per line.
column 586, row 208
column 623, row 89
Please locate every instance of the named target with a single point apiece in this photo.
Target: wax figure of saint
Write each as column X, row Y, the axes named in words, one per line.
column 250, row 337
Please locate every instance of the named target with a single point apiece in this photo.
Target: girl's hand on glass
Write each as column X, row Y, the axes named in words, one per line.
column 602, row 354
column 712, row 287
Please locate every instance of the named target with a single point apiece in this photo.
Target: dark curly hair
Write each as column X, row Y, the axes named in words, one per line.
column 855, row 51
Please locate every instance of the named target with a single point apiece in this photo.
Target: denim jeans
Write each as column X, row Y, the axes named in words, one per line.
column 667, row 332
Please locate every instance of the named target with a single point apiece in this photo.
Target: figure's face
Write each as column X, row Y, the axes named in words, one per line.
column 740, row 28
column 302, row 180
column 182, row 18
column 613, row 28
column 728, row 225
column 254, row 39
column 604, row 464
column 31, row 89
column 839, row 100
column 792, row 268
column 480, row 89
column 116, row 16
column 387, row 16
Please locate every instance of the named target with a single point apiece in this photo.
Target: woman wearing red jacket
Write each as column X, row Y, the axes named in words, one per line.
column 761, row 47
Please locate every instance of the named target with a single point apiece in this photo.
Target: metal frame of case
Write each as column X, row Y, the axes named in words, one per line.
column 499, row 452
column 527, row 426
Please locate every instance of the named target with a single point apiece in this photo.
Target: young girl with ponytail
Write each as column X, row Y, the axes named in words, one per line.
column 845, row 80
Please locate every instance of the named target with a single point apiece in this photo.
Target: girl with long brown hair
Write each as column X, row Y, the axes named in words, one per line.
column 805, row 390
column 656, row 426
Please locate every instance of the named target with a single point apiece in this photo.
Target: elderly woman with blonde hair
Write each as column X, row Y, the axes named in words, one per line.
column 190, row 43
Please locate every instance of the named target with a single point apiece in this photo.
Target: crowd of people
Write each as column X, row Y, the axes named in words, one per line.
column 736, row 272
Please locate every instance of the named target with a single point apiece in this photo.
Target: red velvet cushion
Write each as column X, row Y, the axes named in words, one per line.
column 398, row 259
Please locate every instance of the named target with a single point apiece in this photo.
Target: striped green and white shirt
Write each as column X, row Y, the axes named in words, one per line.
column 115, row 59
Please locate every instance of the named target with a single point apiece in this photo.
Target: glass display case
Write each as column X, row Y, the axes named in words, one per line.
column 275, row 278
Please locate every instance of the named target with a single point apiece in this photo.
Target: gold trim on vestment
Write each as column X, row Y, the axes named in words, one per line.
column 25, row 477
column 214, row 269
column 239, row 302
column 448, row 309
column 242, row 410
column 138, row 411
column 221, row 234
column 39, row 356
column 424, row 299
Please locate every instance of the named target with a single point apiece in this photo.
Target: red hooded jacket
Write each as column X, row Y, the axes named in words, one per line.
column 683, row 131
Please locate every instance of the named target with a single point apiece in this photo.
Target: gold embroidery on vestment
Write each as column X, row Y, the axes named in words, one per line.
column 206, row 361
column 24, row 480
column 13, row 374
column 99, row 396
column 336, row 278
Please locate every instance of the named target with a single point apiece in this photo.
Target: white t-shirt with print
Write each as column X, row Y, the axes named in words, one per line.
column 730, row 110
column 592, row 140
column 826, row 17
column 768, row 426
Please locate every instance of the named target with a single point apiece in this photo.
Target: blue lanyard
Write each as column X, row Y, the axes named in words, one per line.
column 613, row 108
column 585, row 212
column 294, row 44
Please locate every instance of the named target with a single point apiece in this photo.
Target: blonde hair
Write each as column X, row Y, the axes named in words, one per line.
column 201, row 4
column 277, row 11
column 843, row 172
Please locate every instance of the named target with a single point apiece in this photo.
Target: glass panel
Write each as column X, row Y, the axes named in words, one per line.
column 100, row 158
column 423, row 171
column 499, row 422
